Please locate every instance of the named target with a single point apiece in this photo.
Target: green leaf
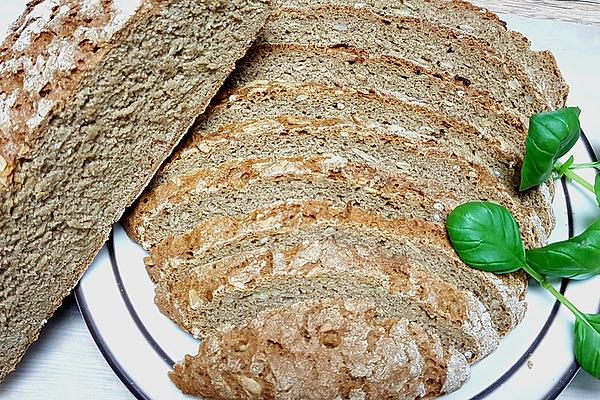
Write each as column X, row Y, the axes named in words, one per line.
column 551, row 135
column 597, row 189
column 587, row 343
column 576, row 258
column 486, row 237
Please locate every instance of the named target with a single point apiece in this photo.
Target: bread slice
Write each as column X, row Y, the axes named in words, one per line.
column 284, row 226
column 468, row 59
column 237, row 187
column 226, row 293
column 93, row 97
column 322, row 350
column 389, row 126
column 469, row 20
column 347, row 67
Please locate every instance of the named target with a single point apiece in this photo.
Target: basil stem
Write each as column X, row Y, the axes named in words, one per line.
column 587, row 335
column 595, row 165
column 560, row 169
column 597, row 189
column 569, row 174
column 548, row 286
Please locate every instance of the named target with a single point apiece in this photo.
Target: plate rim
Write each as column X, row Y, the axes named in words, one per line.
column 139, row 393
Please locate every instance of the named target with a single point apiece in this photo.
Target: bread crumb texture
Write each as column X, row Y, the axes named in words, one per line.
column 94, row 95
column 42, row 61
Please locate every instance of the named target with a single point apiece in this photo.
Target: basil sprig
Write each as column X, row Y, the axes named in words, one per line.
column 576, row 258
column 551, row 135
column 475, row 228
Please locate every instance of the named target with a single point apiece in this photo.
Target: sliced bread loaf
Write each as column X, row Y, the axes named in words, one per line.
column 322, row 350
column 226, row 293
column 286, row 225
column 93, row 97
column 237, row 187
column 473, row 21
column 468, row 59
column 390, row 125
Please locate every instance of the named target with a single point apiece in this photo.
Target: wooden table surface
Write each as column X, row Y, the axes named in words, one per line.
column 577, row 11
column 66, row 364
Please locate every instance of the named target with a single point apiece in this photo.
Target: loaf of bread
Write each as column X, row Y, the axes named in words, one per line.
column 299, row 229
column 94, row 95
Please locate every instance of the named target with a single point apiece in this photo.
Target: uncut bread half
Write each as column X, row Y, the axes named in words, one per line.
column 93, row 96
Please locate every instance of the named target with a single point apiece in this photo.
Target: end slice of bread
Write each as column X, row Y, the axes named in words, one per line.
column 325, row 350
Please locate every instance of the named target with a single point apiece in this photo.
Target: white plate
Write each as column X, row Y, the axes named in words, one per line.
column 535, row 361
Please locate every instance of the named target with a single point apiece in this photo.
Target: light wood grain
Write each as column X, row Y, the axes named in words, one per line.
column 578, row 11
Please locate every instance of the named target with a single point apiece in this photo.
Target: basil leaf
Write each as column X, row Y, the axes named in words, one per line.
column 486, row 237
column 576, row 258
column 551, row 135
column 587, row 343
column 597, row 189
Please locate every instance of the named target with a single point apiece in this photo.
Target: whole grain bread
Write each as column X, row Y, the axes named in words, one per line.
column 322, row 350
column 469, row 59
column 318, row 182
column 340, row 174
column 93, row 97
column 228, row 292
column 469, row 20
column 289, row 224
column 386, row 120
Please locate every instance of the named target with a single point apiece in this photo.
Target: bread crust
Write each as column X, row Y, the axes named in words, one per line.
column 47, row 54
column 322, row 350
